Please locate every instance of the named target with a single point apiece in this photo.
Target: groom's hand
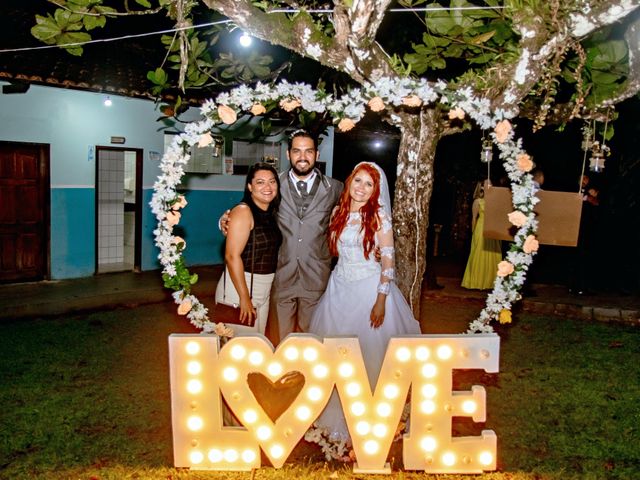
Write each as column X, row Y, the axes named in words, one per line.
column 224, row 222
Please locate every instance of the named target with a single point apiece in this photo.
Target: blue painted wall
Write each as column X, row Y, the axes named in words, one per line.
column 198, row 226
column 73, row 250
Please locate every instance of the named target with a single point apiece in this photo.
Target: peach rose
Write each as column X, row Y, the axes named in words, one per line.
column 524, row 162
column 505, row 268
column 257, row 109
column 503, row 128
column 173, row 218
column 456, row 113
column 346, row 124
column 530, row 244
column 376, row 104
column 227, row 114
column 176, row 240
column 222, row 330
column 290, row 105
column 505, row 316
column 517, row 218
column 180, row 202
column 412, row 101
column 205, row 139
column 184, row 307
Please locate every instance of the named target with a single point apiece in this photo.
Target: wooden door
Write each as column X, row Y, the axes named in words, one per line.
column 24, row 207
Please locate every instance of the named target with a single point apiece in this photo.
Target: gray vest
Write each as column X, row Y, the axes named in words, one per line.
column 304, row 260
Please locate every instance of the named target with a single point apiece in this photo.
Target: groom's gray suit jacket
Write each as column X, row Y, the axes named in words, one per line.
column 304, row 261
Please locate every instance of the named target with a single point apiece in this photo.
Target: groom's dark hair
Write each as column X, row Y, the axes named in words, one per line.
column 301, row 132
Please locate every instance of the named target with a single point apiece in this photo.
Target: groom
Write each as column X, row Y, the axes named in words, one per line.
column 304, row 261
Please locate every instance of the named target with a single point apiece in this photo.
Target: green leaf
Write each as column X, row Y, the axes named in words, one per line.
column 73, row 37
column 439, row 23
column 166, row 39
column 67, row 20
column 433, row 41
column 105, row 10
column 454, row 51
column 260, row 71
column 265, row 126
column 604, row 78
column 90, row 22
column 229, row 72
column 608, row 53
column 482, row 58
column 75, row 51
column 478, row 39
column 144, row 3
column 46, row 29
column 158, row 76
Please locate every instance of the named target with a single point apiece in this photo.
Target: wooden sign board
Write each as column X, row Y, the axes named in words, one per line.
column 558, row 216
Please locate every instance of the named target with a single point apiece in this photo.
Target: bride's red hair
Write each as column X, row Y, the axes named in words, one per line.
column 368, row 212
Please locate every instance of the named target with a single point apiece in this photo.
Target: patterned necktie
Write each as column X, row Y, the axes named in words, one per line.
column 302, row 188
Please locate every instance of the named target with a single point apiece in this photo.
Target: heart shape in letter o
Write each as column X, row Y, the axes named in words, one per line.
column 298, row 354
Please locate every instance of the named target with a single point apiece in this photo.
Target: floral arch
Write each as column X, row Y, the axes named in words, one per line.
column 346, row 111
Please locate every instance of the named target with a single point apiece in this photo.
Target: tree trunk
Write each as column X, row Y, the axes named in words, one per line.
column 414, row 185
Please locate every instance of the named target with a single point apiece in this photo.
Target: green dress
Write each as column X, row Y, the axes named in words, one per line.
column 484, row 257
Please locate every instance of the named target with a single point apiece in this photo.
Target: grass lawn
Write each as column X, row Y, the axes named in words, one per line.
column 87, row 397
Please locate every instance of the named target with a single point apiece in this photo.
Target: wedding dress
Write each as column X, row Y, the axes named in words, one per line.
column 345, row 308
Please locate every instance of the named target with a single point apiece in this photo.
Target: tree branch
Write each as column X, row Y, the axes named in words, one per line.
column 582, row 24
column 537, row 47
column 127, row 13
column 299, row 35
column 354, row 53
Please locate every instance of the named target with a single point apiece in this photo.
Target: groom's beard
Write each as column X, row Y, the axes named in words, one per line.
column 305, row 171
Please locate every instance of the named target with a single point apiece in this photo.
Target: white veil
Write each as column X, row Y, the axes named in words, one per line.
column 385, row 198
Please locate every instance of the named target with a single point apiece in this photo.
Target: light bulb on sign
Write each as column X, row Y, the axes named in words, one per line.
column 107, row 102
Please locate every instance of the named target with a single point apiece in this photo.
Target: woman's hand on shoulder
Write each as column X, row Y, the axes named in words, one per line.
column 223, row 222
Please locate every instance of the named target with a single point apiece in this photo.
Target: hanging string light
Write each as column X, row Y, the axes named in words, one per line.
column 599, row 151
column 596, row 162
column 486, row 154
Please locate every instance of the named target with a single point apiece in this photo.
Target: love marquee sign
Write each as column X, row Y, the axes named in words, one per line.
column 202, row 373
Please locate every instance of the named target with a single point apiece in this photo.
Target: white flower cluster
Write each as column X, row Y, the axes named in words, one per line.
column 506, row 288
column 333, row 448
column 351, row 106
column 349, row 109
column 162, row 200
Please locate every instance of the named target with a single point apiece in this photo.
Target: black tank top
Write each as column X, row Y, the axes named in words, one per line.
column 267, row 242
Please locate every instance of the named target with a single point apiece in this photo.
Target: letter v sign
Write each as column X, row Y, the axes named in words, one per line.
column 424, row 363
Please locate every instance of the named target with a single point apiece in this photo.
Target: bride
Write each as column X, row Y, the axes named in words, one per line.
column 361, row 299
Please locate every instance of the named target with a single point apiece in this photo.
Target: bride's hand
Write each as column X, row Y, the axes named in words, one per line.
column 377, row 312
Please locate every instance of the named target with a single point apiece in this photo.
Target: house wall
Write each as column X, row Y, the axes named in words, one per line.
column 73, row 123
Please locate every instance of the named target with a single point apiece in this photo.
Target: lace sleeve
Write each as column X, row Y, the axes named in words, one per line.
column 384, row 239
